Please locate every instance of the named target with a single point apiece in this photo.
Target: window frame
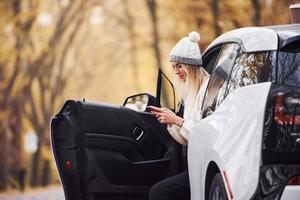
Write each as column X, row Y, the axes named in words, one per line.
column 269, row 55
column 239, row 49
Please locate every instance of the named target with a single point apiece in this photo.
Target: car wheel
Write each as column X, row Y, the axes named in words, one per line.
column 217, row 189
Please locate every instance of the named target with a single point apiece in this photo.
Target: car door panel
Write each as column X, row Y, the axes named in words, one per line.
column 102, row 149
column 122, row 163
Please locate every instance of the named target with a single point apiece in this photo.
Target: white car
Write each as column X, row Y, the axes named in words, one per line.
column 247, row 146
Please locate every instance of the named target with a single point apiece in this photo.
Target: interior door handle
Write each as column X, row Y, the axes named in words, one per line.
column 137, row 133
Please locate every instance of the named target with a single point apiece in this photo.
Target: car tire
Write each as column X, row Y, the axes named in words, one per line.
column 217, row 189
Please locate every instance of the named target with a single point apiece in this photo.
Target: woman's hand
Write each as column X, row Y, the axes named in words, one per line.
column 166, row 116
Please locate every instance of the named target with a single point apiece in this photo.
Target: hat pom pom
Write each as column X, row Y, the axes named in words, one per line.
column 194, row 36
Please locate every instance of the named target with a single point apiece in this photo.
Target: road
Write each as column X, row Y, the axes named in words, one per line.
column 51, row 193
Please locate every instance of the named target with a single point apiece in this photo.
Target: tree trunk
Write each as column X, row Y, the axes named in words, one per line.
column 256, row 12
column 215, row 12
column 46, row 173
column 155, row 43
column 35, row 167
column 4, row 165
column 155, row 39
column 16, row 129
column 133, row 47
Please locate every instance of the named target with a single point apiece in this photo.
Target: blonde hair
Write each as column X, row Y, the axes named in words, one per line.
column 187, row 91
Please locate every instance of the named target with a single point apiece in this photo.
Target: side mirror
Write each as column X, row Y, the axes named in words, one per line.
column 139, row 102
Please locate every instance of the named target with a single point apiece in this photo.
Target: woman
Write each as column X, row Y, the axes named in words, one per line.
column 190, row 81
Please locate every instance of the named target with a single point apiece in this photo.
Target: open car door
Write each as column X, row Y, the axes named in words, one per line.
column 104, row 151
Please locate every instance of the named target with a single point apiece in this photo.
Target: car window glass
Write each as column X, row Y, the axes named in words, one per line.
column 210, row 58
column 289, row 65
column 219, row 78
column 250, row 68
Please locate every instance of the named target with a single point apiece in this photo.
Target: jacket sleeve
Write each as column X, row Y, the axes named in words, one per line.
column 186, row 128
column 181, row 134
column 174, row 130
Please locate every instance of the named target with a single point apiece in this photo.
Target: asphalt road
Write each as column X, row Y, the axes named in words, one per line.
column 51, row 193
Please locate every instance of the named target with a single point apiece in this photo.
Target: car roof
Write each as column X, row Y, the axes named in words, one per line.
column 255, row 39
column 286, row 33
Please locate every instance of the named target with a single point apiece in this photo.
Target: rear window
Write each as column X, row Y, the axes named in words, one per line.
column 251, row 68
column 288, row 66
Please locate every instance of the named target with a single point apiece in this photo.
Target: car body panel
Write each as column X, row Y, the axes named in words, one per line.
column 273, row 179
column 234, row 128
column 253, row 39
column 291, row 192
column 287, row 33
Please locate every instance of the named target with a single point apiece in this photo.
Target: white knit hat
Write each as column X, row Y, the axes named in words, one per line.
column 187, row 50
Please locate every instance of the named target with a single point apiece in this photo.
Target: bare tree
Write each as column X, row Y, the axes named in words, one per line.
column 50, row 76
column 12, row 100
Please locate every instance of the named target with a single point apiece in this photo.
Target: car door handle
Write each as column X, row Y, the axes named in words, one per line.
column 137, row 133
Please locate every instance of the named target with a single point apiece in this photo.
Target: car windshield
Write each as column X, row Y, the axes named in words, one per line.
column 288, row 65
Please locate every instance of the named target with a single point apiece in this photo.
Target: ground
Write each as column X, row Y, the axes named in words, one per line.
column 49, row 193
